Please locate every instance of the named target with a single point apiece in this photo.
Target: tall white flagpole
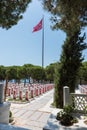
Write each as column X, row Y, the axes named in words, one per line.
column 43, row 42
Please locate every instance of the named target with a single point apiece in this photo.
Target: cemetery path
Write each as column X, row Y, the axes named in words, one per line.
column 33, row 115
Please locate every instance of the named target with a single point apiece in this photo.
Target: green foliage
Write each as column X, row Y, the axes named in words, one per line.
column 82, row 73
column 11, row 11
column 67, row 120
column 85, row 110
column 68, row 109
column 67, row 15
column 71, row 59
column 70, row 17
column 65, row 116
column 10, row 114
column 56, row 90
column 70, row 62
column 11, row 72
column 17, row 100
column 10, row 117
column 2, row 72
column 23, row 72
column 38, row 73
column 50, row 70
column 60, row 115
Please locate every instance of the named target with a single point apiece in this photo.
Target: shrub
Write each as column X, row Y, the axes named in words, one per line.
column 66, row 117
column 10, row 114
column 10, row 117
column 66, row 120
column 68, row 109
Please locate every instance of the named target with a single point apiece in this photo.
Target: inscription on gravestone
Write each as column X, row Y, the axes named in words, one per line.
column 1, row 92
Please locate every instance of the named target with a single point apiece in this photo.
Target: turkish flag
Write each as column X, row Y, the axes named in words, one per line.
column 38, row 26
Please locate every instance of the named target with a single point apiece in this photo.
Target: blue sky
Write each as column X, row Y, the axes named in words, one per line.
column 19, row 46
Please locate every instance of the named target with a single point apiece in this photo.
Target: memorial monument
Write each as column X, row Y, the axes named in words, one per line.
column 4, row 107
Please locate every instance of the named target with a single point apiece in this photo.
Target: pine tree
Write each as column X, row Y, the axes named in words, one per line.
column 11, row 11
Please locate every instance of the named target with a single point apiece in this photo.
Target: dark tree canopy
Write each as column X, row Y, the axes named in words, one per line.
column 67, row 13
column 11, row 12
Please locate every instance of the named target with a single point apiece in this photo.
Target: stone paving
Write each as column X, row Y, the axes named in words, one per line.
column 33, row 115
column 39, row 115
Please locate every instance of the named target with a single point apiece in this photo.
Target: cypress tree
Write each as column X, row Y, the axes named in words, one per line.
column 70, row 17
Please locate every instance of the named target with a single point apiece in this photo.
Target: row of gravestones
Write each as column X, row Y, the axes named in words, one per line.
column 28, row 93
column 83, row 89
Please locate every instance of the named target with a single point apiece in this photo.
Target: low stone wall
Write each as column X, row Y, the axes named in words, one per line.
column 79, row 100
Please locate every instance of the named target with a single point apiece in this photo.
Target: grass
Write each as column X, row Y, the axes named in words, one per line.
column 17, row 99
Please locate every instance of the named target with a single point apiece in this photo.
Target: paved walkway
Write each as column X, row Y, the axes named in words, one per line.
column 38, row 114
column 33, row 115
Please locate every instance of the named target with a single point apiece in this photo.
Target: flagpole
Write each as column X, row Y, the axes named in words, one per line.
column 43, row 42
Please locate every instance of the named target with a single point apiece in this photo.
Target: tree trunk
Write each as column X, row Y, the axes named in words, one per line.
column 6, row 86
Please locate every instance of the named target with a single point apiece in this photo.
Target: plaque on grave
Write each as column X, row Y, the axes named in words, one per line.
column 1, row 93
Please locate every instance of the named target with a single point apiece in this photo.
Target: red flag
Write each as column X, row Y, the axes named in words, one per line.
column 38, row 26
